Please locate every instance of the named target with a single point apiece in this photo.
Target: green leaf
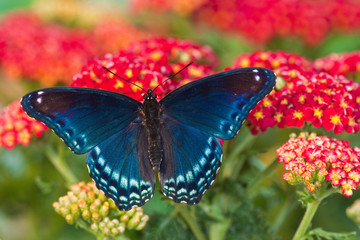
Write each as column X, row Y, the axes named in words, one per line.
column 320, row 234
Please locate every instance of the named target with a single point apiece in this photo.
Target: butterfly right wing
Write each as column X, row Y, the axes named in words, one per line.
column 82, row 117
column 121, row 168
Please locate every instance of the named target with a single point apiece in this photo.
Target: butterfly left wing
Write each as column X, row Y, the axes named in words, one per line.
column 191, row 160
column 218, row 104
column 121, row 168
column 82, row 117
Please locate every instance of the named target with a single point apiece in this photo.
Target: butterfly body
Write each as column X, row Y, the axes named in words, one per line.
column 127, row 140
column 152, row 121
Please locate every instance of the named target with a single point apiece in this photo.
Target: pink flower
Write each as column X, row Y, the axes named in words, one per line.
column 313, row 160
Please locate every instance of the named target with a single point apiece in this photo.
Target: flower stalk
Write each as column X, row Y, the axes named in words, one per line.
column 311, row 208
column 60, row 164
column 190, row 220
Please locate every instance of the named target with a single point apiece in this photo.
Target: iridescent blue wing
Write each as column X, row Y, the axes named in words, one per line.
column 108, row 124
column 82, row 117
column 191, row 160
column 121, row 168
column 218, row 104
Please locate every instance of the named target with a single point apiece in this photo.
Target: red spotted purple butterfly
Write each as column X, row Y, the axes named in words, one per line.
column 127, row 140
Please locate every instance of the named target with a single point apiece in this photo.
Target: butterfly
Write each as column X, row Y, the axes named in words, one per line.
column 129, row 142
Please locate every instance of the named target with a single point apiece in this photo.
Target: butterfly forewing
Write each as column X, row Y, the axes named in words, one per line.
column 82, row 117
column 218, row 104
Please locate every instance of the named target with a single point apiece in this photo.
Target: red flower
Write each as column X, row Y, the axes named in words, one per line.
column 303, row 95
column 16, row 127
column 48, row 53
column 172, row 50
column 147, row 64
column 312, row 160
column 273, row 60
column 339, row 64
column 260, row 22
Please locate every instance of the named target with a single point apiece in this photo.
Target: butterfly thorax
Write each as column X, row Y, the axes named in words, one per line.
column 151, row 112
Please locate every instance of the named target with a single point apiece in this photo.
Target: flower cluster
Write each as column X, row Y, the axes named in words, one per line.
column 43, row 52
column 51, row 53
column 331, row 102
column 339, row 64
column 16, row 127
column 146, row 64
column 262, row 20
column 87, row 206
column 273, row 60
column 167, row 50
column 314, row 160
column 303, row 95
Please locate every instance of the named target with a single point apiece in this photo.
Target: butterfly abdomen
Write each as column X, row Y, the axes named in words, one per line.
column 151, row 112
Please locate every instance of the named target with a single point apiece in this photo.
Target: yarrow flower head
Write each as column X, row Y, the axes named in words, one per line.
column 16, row 127
column 318, row 161
column 87, row 206
column 320, row 99
column 173, row 50
column 260, row 22
column 53, row 52
column 273, row 60
column 340, row 64
column 146, row 64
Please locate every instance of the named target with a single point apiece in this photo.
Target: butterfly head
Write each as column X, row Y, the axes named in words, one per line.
column 149, row 95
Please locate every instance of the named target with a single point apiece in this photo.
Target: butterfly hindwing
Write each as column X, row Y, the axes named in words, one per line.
column 82, row 117
column 121, row 168
column 191, row 160
column 218, row 104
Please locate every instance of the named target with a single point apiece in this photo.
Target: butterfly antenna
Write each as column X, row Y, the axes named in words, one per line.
column 123, row 78
column 173, row 75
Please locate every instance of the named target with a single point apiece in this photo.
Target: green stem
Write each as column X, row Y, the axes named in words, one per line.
column 305, row 222
column 60, row 164
column 184, row 212
column 218, row 229
column 253, row 187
